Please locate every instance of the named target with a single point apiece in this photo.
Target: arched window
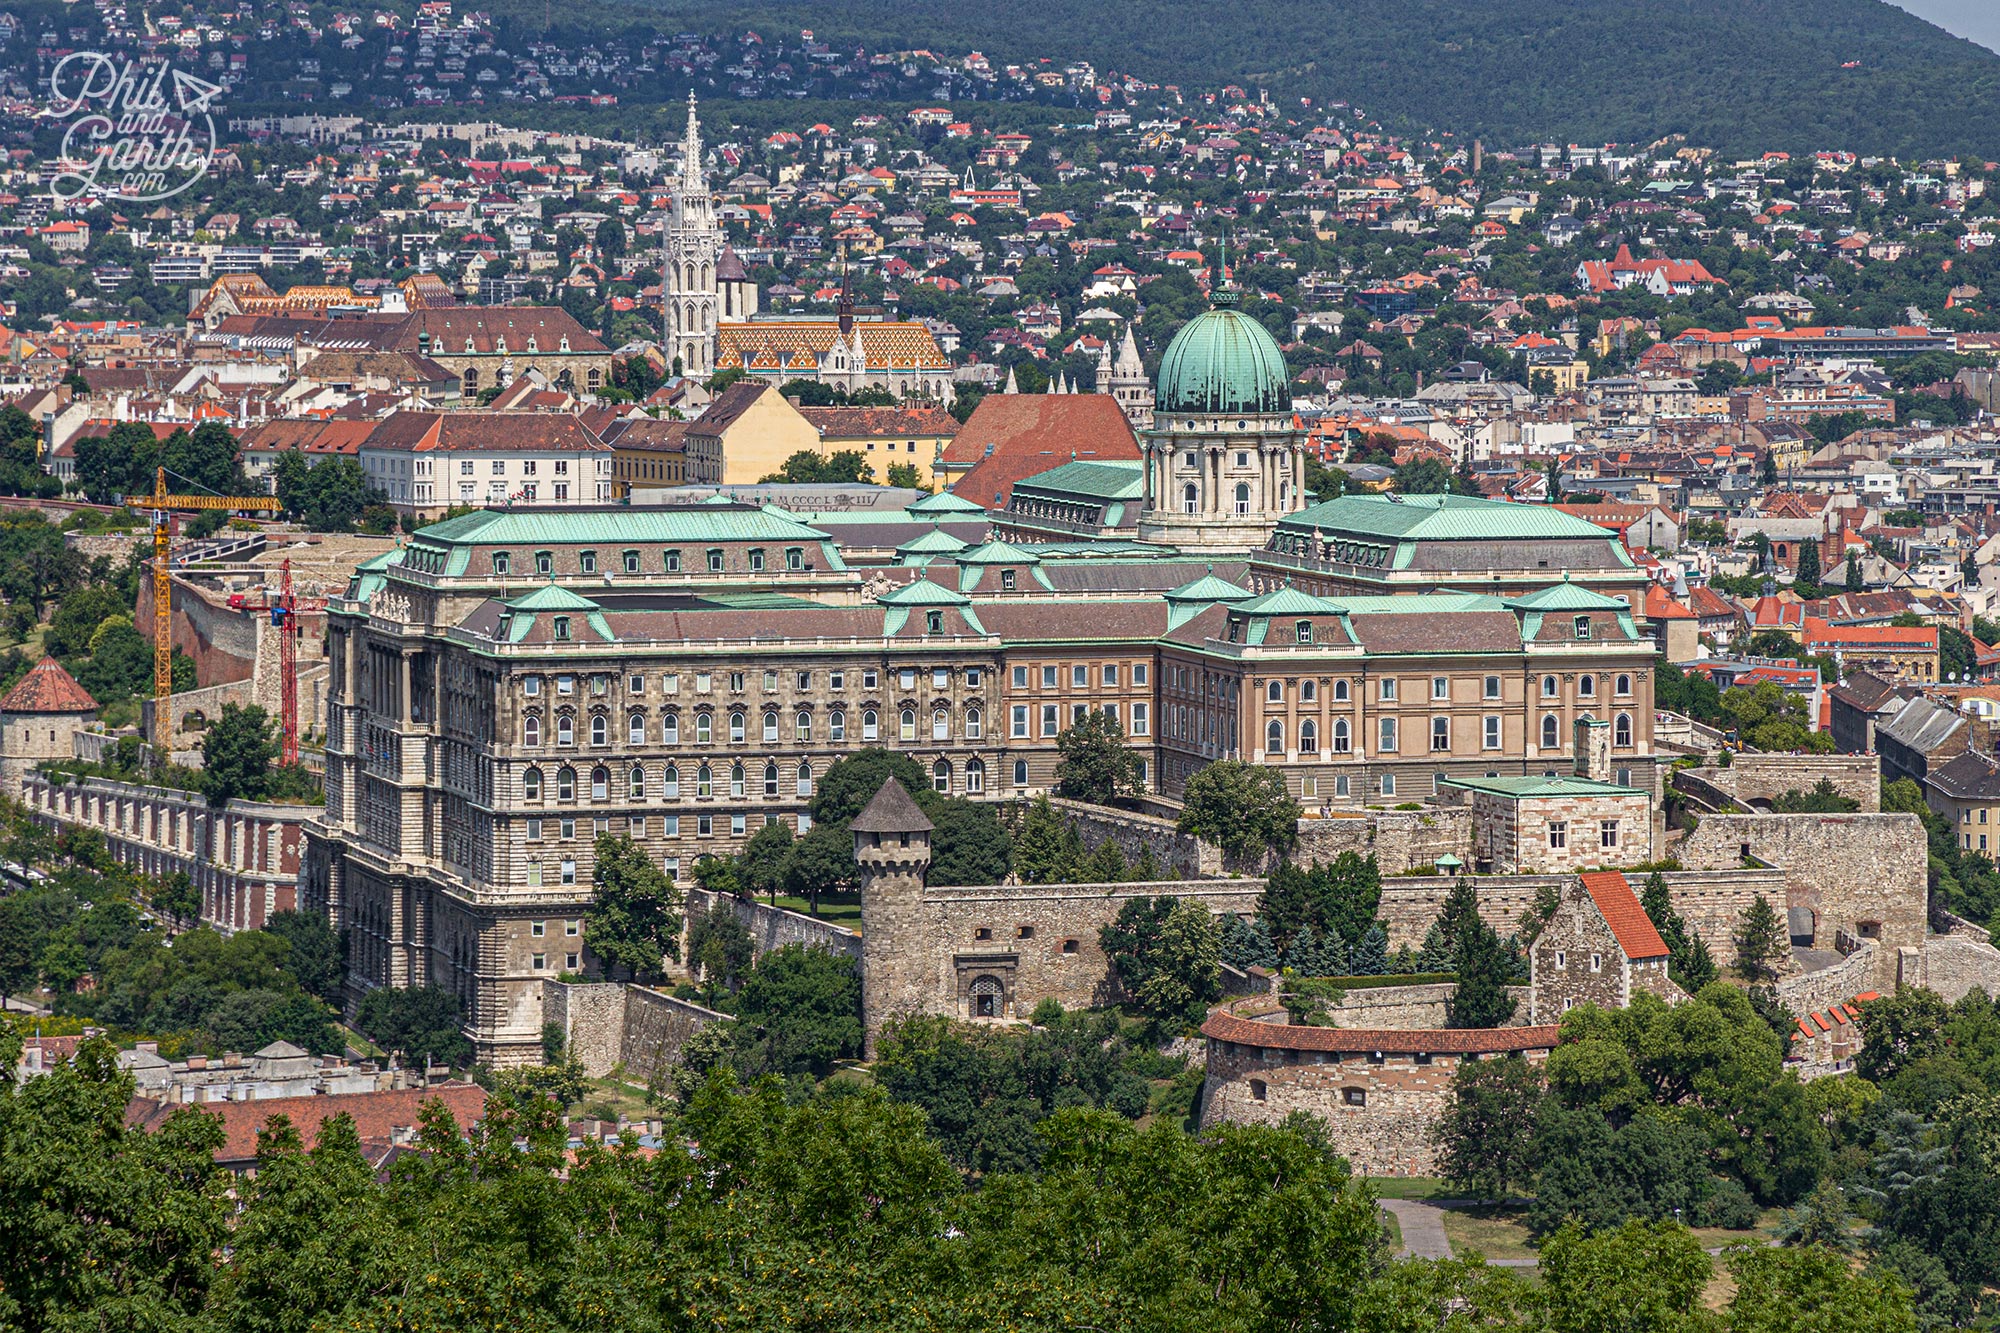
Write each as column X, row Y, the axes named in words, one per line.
column 736, row 778
column 871, row 726
column 1551, row 732
column 770, row 778
column 670, row 728
column 941, row 775
column 1190, row 499
column 1309, row 691
column 908, row 730
column 736, row 724
column 1275, row 691
column 599, row 731
column 531, row 730
column 1242, row 498
column 802, row 725
column 1586, row 685
column 702, row 723
column 1621, row 729
column 805, row 779
column 635, row 727
column 1550, row 687
column 600, row 783
column 670, row 782
column 974, row 724
column 704, row 781
column 770, row 726
column 565, row 783
column 836, row 725
column 1274, row 737
column 1308, row 737
column 940, row 725
column 1622, row 686
column 975, row 776
column 986, row 994
column 565, row 729
column 636, row 782
column 531, row 785
column 1342, row 741
column 1340, row 691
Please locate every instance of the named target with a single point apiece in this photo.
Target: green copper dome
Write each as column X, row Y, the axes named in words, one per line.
column 1223, row 362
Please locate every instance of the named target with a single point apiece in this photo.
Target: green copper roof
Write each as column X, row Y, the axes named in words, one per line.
column 1289, row 601
column 997, row 553
column 1440, row 518
column 550, row 597
column 1223, row 362
column 935, row 542
column 687, row 523
column 944, row 502
column 924, row 593
column 1099, row 481
column 1566, row 596
column 1210, row 587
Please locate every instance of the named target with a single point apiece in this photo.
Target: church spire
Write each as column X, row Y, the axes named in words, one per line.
column 691, row 175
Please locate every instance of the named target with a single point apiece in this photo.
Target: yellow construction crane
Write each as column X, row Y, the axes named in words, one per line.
column 160, row 502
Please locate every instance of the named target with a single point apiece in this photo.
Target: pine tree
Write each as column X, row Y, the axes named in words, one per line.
column 1694, row 971
column 1808, row 577
column 1146, row 870
column 1304, row 955
column 1287, row 902
column 1480, row 1000
column 1403, row 961
column 1042, row 853
column 1333, row 955
column 1456, row 917
column 1370, row 957
column 1106, row 865
column 1246, row 944
column 1761, row 942
column 1436, row 953
column 1853, row 581
column 1660, row 911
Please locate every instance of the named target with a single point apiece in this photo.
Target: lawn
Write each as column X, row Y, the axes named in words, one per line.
column 846, row 914
column 1395, row 1230
column 1495, row 1230
column 1408, row 1187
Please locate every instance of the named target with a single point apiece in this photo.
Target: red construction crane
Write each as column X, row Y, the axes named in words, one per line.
column 285, row 617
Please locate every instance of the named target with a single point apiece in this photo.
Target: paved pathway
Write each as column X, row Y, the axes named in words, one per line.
column 1423, row 1228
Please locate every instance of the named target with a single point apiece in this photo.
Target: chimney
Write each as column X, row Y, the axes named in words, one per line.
column 1593, row 749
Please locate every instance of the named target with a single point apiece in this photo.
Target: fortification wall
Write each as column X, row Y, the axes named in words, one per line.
column 1387, row 1134
column 1182, row 854
column 1398, row 839
column 1754, row 778
column 1831, row 985
column 608, row 1024
column 775, row 927
column 656, row 1026
column 1409, row 1006
column 1952, row 965
column 1859, row 874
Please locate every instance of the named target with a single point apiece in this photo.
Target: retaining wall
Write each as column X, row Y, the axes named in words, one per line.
column 775, row 927
column 609, row 1024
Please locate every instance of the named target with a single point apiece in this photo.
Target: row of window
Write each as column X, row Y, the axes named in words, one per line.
column 1388, row 737
column 1607, row 835
column 1080, row 674
column 671, row 561
column 1141, row 718
column 973, row 727
column 1386, row 688
column 738, row 783
column 704, row 681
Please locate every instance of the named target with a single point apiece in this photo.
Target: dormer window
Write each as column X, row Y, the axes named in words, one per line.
column 469, row 348
column 587, row 561
column 565, row 342
column 631, row 562
column 1582, row 628
column 1006, row 580
column 531, row 344
column 1304, row 630
column 562, row 629
column 503, row 562
column 500, row 344
column 545, row 562
column 934, row 622
column 673, row 562
column 715, row 562
column 756, row 562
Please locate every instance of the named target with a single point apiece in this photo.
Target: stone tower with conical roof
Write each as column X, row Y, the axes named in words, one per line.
column 1224, row 460
column 892, row 850
column 691, row 252
column 1127, row 382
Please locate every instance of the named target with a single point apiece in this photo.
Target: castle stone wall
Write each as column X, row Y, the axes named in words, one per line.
column 1178, row 853
column 1752, row 778
column 1398, row 839
column 609, row 1024
column 1952, row 965
column 1829, row 986
column 1862, row 875
column 592, row 1021
column 775, row 927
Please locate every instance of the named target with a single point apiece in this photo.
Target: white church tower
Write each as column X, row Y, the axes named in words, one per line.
column 692, row 246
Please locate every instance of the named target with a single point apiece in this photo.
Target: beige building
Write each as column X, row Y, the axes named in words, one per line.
column 1599, row 948
column 39, row 719
column 887, row 436
column 1966, row 791
column 747, row 432
column 426, row 463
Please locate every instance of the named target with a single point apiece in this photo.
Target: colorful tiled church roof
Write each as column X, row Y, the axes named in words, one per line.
column 48, row 689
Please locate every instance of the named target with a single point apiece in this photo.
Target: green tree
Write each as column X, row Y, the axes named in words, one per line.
column 799, row 1011
column 315, row 954
column 1048, row 850
column 1423, row 476
column 237, row 754
column 635, row 920
column 1480, row 999
column 1093, row 762
column 969, row 845
column 819, row 863
column 1244, row 809
column 1167, row 954
column 18, row 952
column 1807, row 583
column 1485, row 1138
column 1761, row 942
column 422, row 1022
column 760, row 866
column 1821, row 799
column 719, row 948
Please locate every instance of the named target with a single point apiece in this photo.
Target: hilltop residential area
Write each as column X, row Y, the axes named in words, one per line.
column 766, row 678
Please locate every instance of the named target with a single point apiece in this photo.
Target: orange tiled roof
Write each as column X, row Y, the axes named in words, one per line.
column 1633, row 929
column 47, row 688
